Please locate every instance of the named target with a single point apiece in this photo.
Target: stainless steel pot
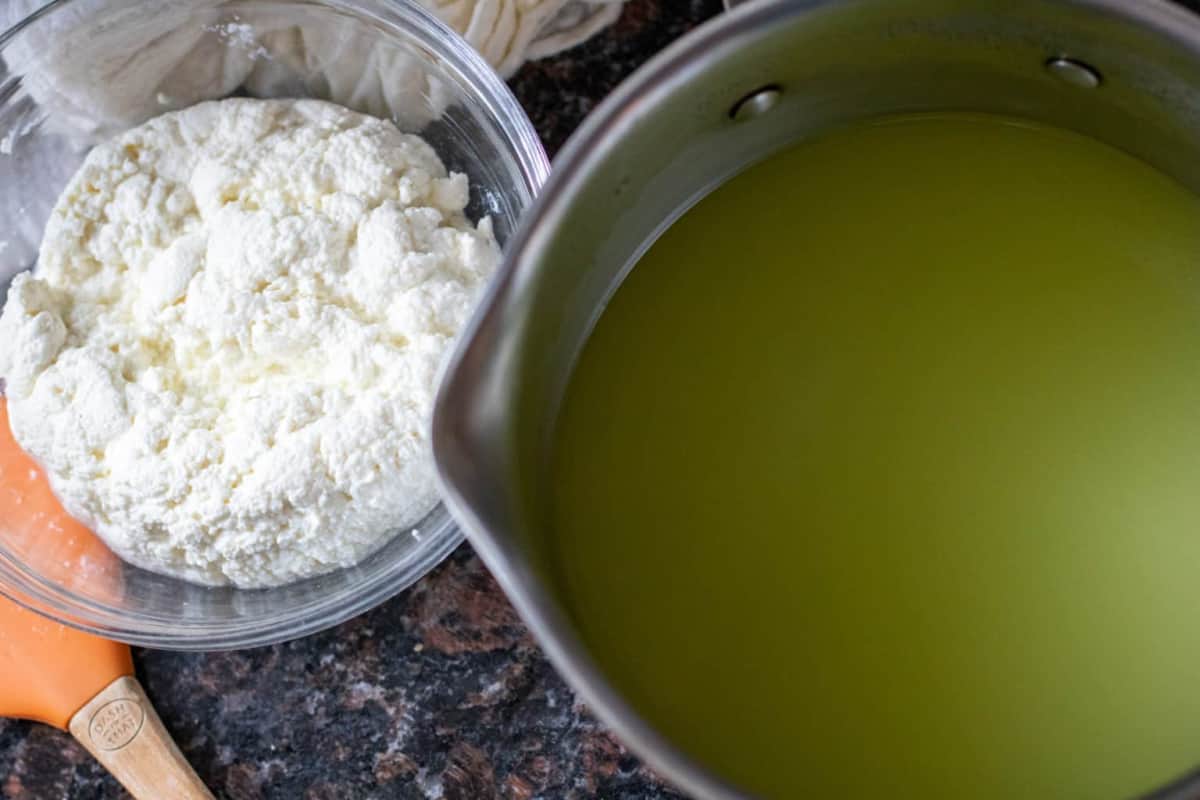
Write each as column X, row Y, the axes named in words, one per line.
column 745, row 85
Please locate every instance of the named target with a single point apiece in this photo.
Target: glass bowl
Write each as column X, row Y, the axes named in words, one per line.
column 79, row 71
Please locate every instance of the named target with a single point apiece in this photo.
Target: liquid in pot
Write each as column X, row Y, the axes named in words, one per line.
column 880, row 474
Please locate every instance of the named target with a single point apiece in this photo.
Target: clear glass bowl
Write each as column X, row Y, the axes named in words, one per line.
column 79, row 71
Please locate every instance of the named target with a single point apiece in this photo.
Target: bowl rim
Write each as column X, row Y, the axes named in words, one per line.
column 19, row 583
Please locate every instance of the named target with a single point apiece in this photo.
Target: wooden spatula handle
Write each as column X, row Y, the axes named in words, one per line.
column 121, row 729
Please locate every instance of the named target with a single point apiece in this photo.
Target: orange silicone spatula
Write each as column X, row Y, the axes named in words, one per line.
column 73, row 680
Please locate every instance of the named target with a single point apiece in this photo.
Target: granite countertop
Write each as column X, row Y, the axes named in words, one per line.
column 439, row 693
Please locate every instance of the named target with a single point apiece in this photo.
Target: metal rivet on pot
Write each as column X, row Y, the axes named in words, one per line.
column 1076, row 73
column 756, row 103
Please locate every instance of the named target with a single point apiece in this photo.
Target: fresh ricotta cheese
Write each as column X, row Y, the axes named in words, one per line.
column 227, row 355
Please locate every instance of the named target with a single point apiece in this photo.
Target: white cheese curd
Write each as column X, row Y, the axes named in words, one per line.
column 227, row 355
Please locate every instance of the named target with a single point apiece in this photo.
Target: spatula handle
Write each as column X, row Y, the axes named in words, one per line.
column 121, row 729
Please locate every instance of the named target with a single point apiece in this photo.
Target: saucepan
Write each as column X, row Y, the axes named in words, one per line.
column 755, row 80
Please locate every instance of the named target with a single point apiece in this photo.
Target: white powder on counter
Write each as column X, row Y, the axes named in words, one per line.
column 227, row 357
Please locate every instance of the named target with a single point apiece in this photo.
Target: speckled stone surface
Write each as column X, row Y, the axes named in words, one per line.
column 440, row 693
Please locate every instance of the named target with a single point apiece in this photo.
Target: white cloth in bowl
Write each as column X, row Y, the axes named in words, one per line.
column 509, row 32
column 150, row 64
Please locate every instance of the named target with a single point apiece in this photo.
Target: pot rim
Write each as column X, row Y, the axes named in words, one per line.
column 586, row 149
